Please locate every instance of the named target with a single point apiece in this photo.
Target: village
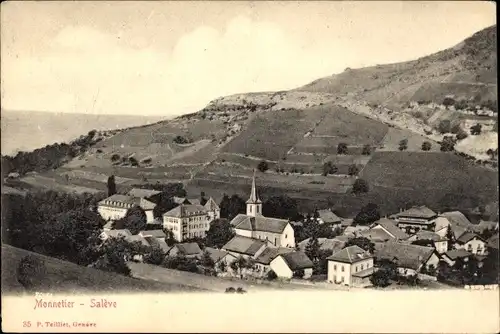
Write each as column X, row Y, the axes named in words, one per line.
column 413, row 247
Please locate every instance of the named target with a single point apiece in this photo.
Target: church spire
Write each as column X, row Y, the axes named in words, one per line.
column 253, row 194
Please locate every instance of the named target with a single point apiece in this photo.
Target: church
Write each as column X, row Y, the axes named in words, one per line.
column 278, row 232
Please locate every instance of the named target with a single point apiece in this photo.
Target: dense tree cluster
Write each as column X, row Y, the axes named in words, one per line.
column 219, row 233
column 231, row 206
column 282, row 207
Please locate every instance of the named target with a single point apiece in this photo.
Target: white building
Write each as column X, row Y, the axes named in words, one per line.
column 116, row 207
column 187, row 221
column 286, row 264
column 351, row 266
column 279, row 232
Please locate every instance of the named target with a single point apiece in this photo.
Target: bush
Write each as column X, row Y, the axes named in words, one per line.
column 403, row 144
column 360, row 186
column 263, row 166
column 476, row 130
column 353, row 170
column 30, row 272
column 367, row 150
column 461, row 135
column 115, row 157
column 271, row 275
column 181, row 140
column 426, row 146
column 329, row 168
column 342, row 148
column 133, row 161
column 240, row 290
column 230, row 290
column 448, row 101
column 298, row 273
column 448, row 144
column 147, row 160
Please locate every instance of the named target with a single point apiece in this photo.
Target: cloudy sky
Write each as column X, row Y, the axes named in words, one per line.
column 166, row 58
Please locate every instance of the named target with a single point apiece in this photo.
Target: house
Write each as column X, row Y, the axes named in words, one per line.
column 263, row 261
column 453, row 255
column 354, row 231
column 105, row 235
column 484, row 225
column 346, row 222
column 187, row 221
column 213, row 210
column 390, row 228
column 219, row 256
column 159, row 234
column 143, row 193
column 376, row 235
column 350, row 266
column 116, row 207
column 334, row 244
column 245, row 247
column 458, row 223
column 472, row 243
column 158, row 243
column 285, row 265
column 410, row 259
column 188, row 249
column 415, row 219
column 433, row 239
column 326, row 216
column 254, row 225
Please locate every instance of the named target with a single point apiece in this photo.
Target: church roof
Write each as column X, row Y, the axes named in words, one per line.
column 259, row 223
column 254, row 198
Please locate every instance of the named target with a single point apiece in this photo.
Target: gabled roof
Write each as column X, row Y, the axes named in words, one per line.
column 143, row 193
column 259, row 223
column 194, row 201
column 390, row 227
column 418, row 212
column 347, row 222
column 186, row 210
column 138, row 238
column 127, row 202
column 428, row 235
column 457, row 253
column 159, row 243
column 467, row 236
column 216, row 254
column 118, row 233
column 351, row 254
column 458, row 222
column 493, row 242
column 378, row 235
column 153, row 233
column 328, row 216
column 188, row 248
column 405, row 255
column 211, row 205
column 270, row 254
column 244, row 245
column 297, row 260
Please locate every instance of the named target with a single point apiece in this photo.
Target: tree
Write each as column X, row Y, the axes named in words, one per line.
column 444, row 126
column 230, row 207
column 426, row 146
column 31, row 272
column 271, row 275
column 312, row 249
column 263, row 166
column 353, row 170
column 321, row 264
column 134, row 220
column 360, row 186
column 282, row 207
column 298, row 273
column 342, row 148
column 111, row 185
column 476, row 129
column 156, row 256
column 447, row 144
column 329, row 168
column 448, row 101
column 450, row 237
column 367, row 150
column 203, row 199
column 362, row 242
column 367, row 215
column 115, row 158
column 164, row 203
column 116, row 253
column 219, row 233
column 493, row 153
column 380, row 279
column 206, row 261
column 403, row 144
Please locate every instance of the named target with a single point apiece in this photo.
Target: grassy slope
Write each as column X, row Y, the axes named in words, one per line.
column 67, row 277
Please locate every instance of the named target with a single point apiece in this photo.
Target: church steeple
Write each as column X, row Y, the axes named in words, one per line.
column 254, row 204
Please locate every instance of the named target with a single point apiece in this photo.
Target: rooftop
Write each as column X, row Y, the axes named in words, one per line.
column 153, row 233
column 351, row 254
column 186, row 210
column 378, row 235
column 422, row 212
column 297, row 260
column 125, row 201
column 244, row 245
column 118, row 233
column 188, row 248
column 428, row 235
column 405, row 255
column 328, row 216
column 216, row 254
column 259, row 223
column 143, row 193
column 390, row 227
column 466, row 237
column 457, row 253
column 493, row 242
column 269, row 254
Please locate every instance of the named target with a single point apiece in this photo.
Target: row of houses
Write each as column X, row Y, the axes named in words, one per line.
column 189, row 219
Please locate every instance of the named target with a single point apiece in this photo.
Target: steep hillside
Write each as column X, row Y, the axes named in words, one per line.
column 297, row 133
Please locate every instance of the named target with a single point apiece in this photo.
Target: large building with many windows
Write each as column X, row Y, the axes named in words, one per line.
column 187, row 221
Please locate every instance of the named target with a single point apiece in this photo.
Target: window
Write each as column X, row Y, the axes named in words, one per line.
column 342, row 268
column 286, row 236
column 342, row 278
column 335, row 267
column 362, row 267
column 356, row 270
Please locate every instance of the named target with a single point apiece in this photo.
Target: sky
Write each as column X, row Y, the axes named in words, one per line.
column 170, row 58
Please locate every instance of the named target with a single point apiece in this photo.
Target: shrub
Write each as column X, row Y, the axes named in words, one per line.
column 448, row 101
column 99, row 151
column 240, row 290
column 342, row 148
column 475, row 130
column 230, row 290
column 30, row 272
column 133, row 161
column 448, row 144
column 426, row 146
column 115, row 157
column 181, row 140
column 263, row 166
column 353, row 170
column 403, row 144
column 367, row 150
column 461, row 135
column 147, row 160
column 298, row 273
column 360, row 186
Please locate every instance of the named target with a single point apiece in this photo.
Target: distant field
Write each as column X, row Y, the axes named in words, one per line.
column 437, row 91
column 39, row 181
column 273, row 136
column 394, row 136
column 67, row 277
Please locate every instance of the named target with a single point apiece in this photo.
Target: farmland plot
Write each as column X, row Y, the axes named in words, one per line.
column 394, row 137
